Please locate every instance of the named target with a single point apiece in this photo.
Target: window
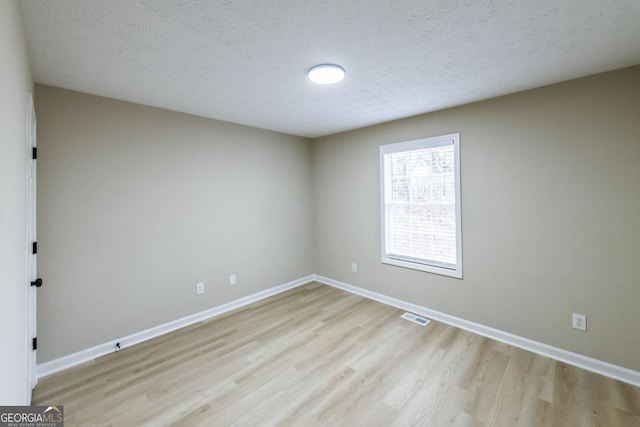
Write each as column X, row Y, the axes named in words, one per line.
column 420, row 198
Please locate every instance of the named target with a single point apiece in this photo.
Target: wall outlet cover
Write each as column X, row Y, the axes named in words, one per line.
column 579, row 321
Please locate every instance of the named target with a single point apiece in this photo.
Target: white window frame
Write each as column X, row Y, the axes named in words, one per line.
column 432, row 266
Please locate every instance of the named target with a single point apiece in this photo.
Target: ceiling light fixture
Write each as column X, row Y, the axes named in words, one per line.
column 326, row 74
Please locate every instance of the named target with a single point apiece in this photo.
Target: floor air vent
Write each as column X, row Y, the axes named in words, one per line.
column 415, row 319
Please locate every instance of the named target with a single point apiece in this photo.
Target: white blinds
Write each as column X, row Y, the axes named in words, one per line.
column 419, row 193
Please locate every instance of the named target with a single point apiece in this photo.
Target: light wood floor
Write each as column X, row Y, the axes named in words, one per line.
column 319, row 356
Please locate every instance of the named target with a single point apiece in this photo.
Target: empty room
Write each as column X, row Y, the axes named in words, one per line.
column 301, row 213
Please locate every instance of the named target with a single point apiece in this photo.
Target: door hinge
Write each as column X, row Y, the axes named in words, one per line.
column 34, row 343
column 34, row 248
column 34, row 153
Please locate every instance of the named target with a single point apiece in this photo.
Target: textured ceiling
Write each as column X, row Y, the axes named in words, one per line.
column 244, row 61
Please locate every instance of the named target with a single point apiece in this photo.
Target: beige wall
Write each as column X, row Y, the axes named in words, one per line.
column 550, row 214
column 15, row 82
column 137, row 204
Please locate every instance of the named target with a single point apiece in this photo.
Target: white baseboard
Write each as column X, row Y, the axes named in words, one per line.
column 594, row 365
column 575, row 359
column 53, row 366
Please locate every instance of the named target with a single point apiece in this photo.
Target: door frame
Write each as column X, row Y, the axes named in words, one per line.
column 32, row 267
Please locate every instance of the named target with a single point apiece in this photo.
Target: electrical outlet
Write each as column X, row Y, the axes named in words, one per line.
column 579, row 321
column 199, row 288
column 232, row 280
column 354, row 267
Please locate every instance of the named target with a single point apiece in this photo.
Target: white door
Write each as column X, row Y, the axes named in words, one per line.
column 32, row 270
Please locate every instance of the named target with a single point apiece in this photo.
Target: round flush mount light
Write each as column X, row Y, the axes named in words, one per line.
column 326, row 74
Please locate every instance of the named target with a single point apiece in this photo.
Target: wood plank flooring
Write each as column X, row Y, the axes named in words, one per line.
column 316, row 356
